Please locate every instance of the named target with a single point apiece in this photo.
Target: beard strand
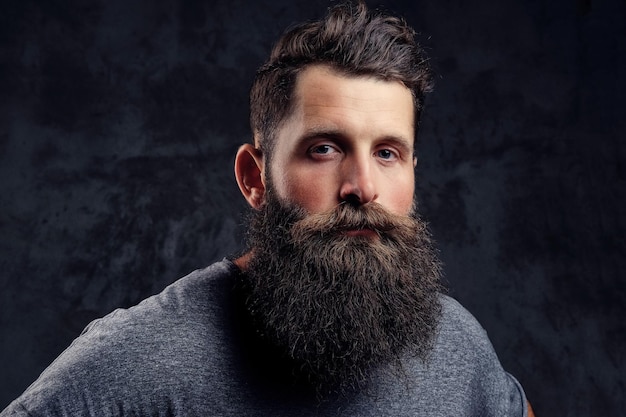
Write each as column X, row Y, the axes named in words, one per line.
column 340, row 306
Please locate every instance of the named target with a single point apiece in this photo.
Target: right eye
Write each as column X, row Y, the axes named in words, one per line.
column 322, row 150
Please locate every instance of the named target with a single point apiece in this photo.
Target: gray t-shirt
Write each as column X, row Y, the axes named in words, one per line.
column 181, row 353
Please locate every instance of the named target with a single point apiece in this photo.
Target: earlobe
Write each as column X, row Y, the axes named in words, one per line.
column 249, row 172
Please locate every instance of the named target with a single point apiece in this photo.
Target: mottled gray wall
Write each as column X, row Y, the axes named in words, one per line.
column 119, row 121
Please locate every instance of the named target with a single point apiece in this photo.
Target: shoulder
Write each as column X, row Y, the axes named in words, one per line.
column 131, row 353
column 462, row 344
column 199, row 290
column 458, row 324
column 188, row 312
column 184, row 306
column 464, row 363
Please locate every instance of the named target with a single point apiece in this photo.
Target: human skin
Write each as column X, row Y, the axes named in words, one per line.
column 348, row 139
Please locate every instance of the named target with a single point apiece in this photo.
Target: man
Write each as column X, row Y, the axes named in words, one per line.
column 335, row 309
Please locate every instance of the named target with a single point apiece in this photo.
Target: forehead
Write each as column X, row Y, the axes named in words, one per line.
column 324, row 82
column 362, row 104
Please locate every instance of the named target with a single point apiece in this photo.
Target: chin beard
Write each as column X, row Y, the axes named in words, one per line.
column 340, row 306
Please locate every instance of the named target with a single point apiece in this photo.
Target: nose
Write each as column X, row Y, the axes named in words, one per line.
column 357, row 182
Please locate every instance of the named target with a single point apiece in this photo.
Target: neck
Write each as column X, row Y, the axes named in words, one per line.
column 243, row 261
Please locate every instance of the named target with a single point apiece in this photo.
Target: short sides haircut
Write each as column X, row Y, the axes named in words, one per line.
column 353, row 41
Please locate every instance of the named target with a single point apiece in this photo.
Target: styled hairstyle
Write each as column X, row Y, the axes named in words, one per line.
column 351, row 40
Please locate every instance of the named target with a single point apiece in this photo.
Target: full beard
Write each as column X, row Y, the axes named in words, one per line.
column 339, row 306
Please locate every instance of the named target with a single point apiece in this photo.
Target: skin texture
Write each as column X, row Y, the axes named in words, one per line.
column 347, row 139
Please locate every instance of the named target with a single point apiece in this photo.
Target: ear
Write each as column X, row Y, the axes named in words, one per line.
column 250, row 174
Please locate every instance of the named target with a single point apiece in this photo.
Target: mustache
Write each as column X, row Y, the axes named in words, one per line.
column 346, row 217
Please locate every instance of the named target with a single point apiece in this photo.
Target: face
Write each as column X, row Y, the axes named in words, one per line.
column 337, row 306
column 347, row 139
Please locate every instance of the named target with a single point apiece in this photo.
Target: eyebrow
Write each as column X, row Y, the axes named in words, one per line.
column 323, row 133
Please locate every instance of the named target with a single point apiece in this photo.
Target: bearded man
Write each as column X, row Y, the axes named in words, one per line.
column 336, row 306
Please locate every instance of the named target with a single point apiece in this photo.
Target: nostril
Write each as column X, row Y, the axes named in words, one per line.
column 353, row 200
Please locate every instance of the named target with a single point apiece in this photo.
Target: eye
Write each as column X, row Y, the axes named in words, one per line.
column 386, row 154
column 323, row 150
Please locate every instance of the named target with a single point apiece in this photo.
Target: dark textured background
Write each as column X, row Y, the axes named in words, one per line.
column 119, row 121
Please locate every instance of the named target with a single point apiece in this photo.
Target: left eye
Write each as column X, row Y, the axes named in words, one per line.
column 385, row 154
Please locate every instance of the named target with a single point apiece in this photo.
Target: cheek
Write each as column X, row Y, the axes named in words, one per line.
column 312, row 190
column 399, row 195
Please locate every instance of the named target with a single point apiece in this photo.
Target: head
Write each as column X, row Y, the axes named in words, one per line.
column 352, row 49
column 341, row 273
column 351, row 40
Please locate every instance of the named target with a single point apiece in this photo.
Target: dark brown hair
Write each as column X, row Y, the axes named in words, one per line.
column 353, row 41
